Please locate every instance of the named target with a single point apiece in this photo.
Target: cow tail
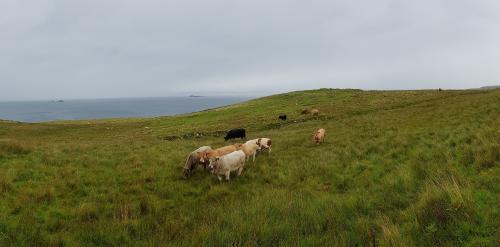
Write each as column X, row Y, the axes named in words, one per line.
column 188, row 167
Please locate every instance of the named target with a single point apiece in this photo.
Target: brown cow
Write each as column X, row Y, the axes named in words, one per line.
column 193, row 160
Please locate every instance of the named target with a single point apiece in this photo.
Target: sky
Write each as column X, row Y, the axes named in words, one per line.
column 65, row 49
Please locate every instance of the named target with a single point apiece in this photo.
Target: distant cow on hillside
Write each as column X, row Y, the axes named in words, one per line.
column 236, row 133
column 319, row 136
column 305, row 111
column 315, row 112
column 282, row 117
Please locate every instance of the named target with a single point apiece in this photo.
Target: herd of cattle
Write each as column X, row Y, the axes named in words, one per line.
column 222, row 161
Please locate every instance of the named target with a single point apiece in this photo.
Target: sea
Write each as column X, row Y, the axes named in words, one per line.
column 52, row 110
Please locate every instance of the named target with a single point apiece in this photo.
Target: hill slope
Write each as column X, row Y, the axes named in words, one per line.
column 401, row 168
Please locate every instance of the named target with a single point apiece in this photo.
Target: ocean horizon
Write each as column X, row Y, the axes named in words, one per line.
column 81, row 109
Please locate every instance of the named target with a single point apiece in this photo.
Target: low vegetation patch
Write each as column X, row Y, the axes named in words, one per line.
column 9, row 147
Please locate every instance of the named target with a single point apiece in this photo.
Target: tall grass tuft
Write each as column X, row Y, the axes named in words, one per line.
column 5, row 182
column 442, row 206
column 390, row 234
column 13, row 147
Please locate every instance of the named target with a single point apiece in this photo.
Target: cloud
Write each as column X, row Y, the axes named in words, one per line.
column 95, row 48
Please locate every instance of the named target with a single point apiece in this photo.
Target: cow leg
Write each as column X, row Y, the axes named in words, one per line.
column 240, row 170
column 254, row 156
column 227, row 175
column 220, row 178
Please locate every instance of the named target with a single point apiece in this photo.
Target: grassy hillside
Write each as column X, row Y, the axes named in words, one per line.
column 402, row 168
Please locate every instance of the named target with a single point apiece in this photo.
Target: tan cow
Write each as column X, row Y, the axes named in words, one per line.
column 315, row 112
column 319, row 136
column 206, row 155
column 250, row 149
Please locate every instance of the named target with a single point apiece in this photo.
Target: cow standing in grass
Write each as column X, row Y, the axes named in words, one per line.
column 224, row 165
column 319, row 136
column 265, row 144
column 193, row 160
column 315, row 112
column 250, row 149
column 206, row 155
column 236, row 133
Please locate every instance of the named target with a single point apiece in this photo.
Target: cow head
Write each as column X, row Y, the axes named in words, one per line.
column 214, row 163
column 203, row 156
column 259, row 147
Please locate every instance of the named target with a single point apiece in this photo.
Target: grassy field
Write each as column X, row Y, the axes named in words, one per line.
column 398, row 168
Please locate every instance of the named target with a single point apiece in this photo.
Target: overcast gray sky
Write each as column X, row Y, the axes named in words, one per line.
column 51, row 49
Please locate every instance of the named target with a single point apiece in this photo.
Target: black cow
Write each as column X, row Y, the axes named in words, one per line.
column 282, row 117
column 236, row 133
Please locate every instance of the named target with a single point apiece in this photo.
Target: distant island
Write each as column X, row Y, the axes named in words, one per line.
column 60, row 100
column 195, row 96
column 490, row 87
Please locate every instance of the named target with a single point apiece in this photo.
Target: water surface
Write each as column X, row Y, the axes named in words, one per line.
column 42, row 111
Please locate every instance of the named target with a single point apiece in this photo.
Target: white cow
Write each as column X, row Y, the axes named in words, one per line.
column 224, row 165
column 263, row 143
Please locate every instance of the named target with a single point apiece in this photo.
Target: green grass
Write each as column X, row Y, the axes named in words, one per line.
column 402, row 168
